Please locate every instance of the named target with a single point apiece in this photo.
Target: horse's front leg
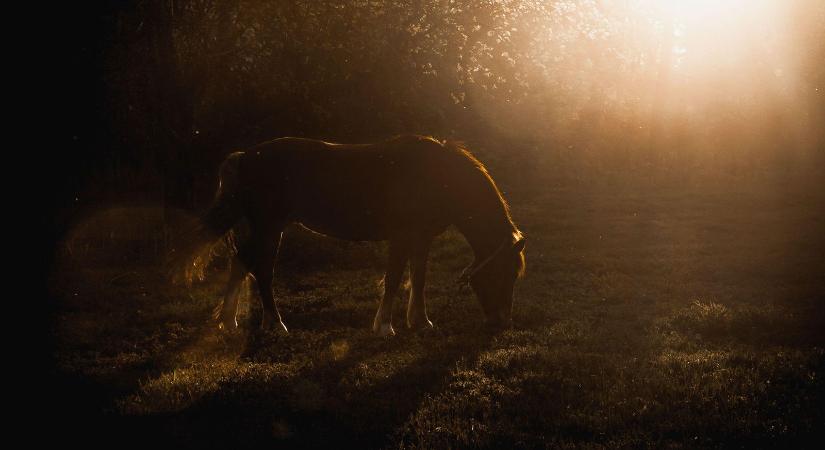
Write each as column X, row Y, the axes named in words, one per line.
column 398, row 256
column 260, row 258
column 227, row 310
column 417, row 306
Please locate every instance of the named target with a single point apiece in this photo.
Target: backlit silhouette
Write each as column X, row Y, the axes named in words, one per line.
column 406, row 190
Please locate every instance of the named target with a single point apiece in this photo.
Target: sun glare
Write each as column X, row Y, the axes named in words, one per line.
column 718, row 22
column 703, row 11
column 714, row 34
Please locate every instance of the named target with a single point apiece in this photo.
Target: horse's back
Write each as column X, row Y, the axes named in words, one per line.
column 310, row 161
column 353, row 191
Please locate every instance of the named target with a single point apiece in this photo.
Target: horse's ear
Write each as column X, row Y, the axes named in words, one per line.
column 518, row 247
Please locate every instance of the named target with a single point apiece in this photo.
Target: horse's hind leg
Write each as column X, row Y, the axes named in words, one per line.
column 416, row 306
column 398, row 256
column 227, row 310
column 259, row 256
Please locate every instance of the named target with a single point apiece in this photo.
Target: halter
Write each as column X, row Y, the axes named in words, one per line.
column 468, row 275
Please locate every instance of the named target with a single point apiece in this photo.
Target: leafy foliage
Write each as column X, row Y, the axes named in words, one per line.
column 588, row 84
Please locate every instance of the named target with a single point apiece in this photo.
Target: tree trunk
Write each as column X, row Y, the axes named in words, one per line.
column 660, row 92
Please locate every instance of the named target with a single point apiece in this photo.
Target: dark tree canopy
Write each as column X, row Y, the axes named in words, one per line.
column 604, row 85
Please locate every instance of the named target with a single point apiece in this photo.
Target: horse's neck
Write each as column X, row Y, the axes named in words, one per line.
column 484, row 239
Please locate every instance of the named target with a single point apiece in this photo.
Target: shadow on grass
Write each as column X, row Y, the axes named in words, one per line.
column 111, row 353
column 332, row 402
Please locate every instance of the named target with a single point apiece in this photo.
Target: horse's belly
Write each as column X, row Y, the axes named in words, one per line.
column 366, row 225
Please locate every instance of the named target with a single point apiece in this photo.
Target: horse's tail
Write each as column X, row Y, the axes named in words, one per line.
column 199, row 240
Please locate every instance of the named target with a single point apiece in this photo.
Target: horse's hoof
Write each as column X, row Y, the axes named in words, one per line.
column 278, row 328
column 228, row 325
column 420, row 325
column 384, row 329
column 275, row 325
column 497, row 327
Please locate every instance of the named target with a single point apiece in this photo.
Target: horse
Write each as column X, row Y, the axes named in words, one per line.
column 406, row 190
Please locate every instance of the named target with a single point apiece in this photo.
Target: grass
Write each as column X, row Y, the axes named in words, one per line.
column 652, row 315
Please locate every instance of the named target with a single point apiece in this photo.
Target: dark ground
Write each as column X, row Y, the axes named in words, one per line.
column 652, row 315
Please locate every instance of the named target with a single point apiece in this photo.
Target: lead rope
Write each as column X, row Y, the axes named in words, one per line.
column 466, row 276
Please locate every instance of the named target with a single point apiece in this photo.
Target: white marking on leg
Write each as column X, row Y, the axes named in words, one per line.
column 417, row 314
column 382, row 326
column 273, row 323
column 386, row 330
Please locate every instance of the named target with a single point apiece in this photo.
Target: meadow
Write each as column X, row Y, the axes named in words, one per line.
column 662, row 312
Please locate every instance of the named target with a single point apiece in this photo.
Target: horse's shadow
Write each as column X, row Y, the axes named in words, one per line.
column 323, row 405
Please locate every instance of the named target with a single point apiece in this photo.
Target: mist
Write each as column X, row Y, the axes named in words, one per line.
column 658, row 165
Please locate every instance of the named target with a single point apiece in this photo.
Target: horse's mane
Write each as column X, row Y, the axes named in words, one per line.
column 460, row 148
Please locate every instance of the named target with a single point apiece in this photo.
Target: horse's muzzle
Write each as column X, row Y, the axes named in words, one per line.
column 498, row 324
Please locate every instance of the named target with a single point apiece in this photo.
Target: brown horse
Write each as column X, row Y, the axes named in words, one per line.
column 406, row 190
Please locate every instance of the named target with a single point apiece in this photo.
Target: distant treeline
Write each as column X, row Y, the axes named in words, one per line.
column 602, row 85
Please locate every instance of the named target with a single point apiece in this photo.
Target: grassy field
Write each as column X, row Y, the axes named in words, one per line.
column 651, row 315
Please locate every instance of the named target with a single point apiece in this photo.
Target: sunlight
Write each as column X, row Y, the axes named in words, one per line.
column 717, row 29
column 720, row 50
column 703, row 11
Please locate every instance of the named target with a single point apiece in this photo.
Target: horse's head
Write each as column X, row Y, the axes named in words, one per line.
column 493, row 281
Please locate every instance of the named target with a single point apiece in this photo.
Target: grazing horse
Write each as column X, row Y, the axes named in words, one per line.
column 406, row 190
